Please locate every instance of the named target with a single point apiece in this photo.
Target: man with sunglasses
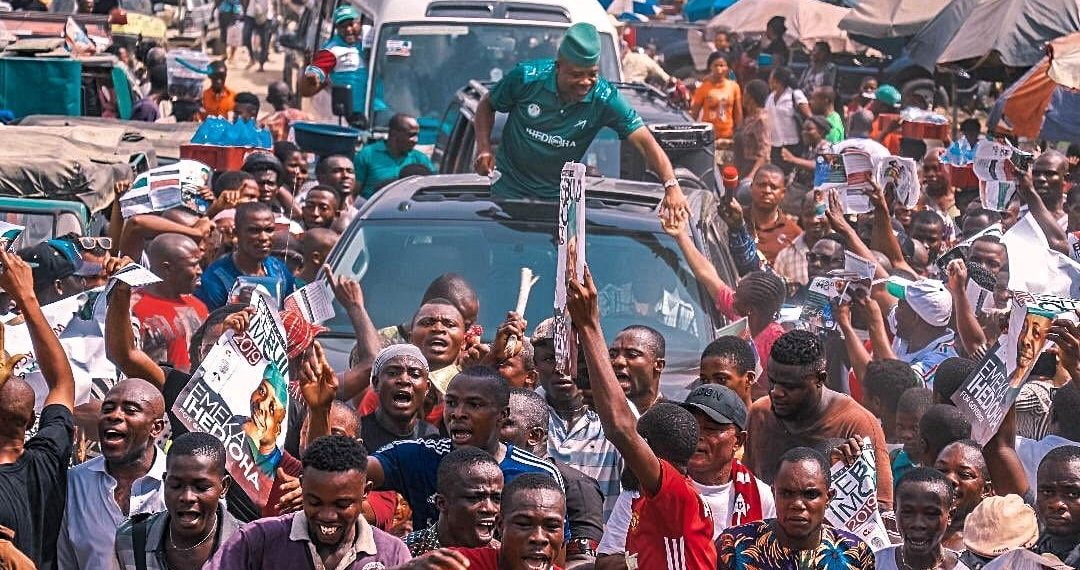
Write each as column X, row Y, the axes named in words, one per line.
column 168, row 313
column 59, row 269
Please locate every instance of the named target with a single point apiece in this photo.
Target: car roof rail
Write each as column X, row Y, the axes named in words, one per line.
column 451, row 192
column 620, row 195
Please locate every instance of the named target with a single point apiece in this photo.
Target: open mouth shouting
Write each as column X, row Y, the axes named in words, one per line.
column 624, row 380
column 536, row 561
column 402, row 399
column 113, row 438
column 437, row 345
column 460, row 435
column 189, row 519
column 485, row 529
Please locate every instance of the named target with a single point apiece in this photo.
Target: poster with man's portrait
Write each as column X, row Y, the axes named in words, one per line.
column 991, row 390
column 240, row 393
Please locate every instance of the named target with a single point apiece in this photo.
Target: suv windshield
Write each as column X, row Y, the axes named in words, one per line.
column 641, row 276
column 419, row 67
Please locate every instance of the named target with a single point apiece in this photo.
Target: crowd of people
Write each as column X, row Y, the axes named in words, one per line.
column 433, row 450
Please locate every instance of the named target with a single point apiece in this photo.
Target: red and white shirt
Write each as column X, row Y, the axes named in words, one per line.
column 672, row 529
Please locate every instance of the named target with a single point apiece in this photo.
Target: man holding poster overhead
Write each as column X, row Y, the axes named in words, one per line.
column 556, row 108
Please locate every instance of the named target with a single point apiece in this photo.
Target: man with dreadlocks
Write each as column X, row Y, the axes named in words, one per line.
column 801, row 411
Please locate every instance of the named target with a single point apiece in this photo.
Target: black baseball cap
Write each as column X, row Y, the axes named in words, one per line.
column 719, row 402
column 47, row 263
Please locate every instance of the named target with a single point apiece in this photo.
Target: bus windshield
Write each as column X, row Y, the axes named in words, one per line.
column 419, row 66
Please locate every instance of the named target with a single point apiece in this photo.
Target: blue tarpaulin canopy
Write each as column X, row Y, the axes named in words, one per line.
column 695, row 10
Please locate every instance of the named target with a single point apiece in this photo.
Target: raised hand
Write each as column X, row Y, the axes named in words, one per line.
column 239, row 320
column 318, row 383
column 16, row 279
column 957, row 272
column 675, row 206
column 581, row 299
column 507, row 343
column 347, row 291
column 292, row 496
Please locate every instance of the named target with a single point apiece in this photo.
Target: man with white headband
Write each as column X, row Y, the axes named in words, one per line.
column 920, row 324
column 399, row 376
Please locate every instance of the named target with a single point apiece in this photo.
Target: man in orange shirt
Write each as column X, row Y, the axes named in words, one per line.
column 218, row 99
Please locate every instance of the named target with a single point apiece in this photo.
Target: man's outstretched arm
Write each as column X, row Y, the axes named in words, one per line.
column 620, row 427
column 18, row 281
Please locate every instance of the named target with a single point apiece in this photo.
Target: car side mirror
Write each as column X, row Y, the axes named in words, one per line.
column 341, row 100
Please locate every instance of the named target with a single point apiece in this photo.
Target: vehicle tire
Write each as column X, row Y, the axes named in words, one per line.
column 925, row 88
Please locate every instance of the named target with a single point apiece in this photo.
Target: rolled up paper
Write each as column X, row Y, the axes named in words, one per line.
column 513, row 344
column 527, row 282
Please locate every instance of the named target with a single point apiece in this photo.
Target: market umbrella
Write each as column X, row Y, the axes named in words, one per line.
column 930, row 42
column 695, row 10
column 1012, row 33
column 887, row 25
column 1045, row 102
column 808, row 21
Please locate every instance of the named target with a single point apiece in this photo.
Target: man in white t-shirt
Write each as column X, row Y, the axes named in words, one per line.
column 734, row 495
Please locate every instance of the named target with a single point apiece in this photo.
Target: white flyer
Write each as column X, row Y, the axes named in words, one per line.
column 315, row 301
column 165, row 187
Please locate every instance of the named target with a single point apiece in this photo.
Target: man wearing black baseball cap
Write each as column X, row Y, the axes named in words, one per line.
column 733, row 493
column 53, row 270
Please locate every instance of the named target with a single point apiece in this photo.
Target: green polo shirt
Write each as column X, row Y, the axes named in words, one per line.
column 836, row 133
column 542, row 132
column 374, row 165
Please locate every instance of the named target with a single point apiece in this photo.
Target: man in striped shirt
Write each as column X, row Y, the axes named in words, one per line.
column 575, row 436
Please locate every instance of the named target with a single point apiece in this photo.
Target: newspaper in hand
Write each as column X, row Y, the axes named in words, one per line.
column 1035, row 267
column 998, row 166
column 899, row 176
column 854, row 506
column 315, row 301
column 860, row 266
column 9, row 235
column 166, row 187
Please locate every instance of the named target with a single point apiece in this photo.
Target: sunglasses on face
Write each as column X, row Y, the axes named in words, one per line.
column 818, row 258
column 92, row 243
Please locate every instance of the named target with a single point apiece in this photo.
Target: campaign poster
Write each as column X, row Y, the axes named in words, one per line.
column 165, row 187
column 571, row 249
column 240, row 393
column 986, row 396
column 854, row 506
column 899, row 176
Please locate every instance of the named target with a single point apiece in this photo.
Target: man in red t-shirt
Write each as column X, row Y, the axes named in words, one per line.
column 670, row 526
column 168, row 313
column 530, row 527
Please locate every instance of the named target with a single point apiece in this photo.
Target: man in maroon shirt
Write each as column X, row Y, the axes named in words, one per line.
column 329, row 532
